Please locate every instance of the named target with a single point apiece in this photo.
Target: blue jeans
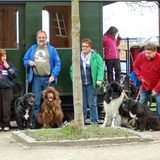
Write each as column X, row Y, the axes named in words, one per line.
column 38, row 85
column 90, row 99
column 144, row 97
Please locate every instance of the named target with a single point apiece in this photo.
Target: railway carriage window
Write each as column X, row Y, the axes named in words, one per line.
column 59, row 25
column 9, row 26
column 59, row 28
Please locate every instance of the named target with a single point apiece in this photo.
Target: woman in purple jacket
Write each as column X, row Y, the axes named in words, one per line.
column 111, row 54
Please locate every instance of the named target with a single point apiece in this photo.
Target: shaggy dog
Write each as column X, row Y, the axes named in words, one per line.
column 113, row 98
column 145, row 118
column 23, row 110
column 51, row 112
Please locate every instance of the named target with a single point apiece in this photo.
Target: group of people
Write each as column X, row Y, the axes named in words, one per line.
column 43, row 65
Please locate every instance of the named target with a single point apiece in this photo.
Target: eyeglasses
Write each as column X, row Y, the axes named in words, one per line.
column 85, row 46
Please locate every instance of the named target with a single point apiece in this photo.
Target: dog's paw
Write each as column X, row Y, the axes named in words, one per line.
column 113, row 126
column 103, row 126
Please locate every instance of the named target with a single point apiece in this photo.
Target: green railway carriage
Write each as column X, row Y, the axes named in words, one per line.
column 21, row 19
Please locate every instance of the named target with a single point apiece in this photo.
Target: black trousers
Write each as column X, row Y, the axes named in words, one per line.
column 113, row 65
column 5, row 106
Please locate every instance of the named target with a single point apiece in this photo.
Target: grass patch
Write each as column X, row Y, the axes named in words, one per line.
column 70, row 133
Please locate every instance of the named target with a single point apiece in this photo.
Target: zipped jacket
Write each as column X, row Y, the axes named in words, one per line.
column 110, row 47
column 149, row 71
column 55, row 63
column 7, row 76
column 97, row 68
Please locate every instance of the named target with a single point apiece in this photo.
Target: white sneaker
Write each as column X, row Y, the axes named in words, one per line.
column 6, row 129
column 0, row 128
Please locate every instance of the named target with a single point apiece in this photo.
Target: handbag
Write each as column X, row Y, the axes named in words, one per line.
column 133, row 76
column 134, row 79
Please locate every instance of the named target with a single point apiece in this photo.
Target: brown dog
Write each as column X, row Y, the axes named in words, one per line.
column 51, row 112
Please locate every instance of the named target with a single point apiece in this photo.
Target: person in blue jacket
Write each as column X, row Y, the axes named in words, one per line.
column 43, row 63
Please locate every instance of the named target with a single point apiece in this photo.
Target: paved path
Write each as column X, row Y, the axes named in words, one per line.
column 10, row 150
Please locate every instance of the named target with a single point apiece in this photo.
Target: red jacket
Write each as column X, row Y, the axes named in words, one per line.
column 110, row 47
column 148, row 70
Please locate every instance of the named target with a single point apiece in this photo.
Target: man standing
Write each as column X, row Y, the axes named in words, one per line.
column 43, row 63
column 147, row 68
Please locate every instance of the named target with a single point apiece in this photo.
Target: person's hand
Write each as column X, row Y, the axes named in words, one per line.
column 119, row 37
column 153, row 93
column 32, row 64
column 6, row 65
column 145, row 82
column 99, row 83
column 51, row 79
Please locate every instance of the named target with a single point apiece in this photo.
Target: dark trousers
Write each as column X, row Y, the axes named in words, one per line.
column 113, row 65
column 5, row 106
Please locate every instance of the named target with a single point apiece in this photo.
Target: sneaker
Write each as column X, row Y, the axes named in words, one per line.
column 0, row 128
column 6, row 129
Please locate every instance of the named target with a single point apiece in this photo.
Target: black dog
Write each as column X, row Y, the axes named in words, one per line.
column 145, row 118
column 23, row 109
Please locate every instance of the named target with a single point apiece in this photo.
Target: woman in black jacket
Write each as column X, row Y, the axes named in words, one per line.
column 7, row 74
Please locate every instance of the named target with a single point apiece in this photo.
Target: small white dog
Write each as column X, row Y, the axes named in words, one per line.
column 113, row 98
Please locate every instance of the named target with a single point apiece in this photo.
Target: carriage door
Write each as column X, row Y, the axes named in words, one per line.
column 12, row 35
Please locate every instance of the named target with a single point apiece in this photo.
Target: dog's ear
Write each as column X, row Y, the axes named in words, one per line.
column 124, row 106
column 44, row 93
column 139, row 108
column 107, row 94
column 131, row 103
column 23, row 99
column 120, row 90
column 21, row 103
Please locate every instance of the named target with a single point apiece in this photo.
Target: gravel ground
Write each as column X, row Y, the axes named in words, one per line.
column 11, row 150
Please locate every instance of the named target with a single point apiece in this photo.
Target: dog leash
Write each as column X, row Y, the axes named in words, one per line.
column 138, row 95
column 101, row 88
column 26, row 73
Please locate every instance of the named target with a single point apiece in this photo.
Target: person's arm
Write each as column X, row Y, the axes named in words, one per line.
column 100, row 74
column 136, row 67
column 57, row 63
column 118, row 41
column 27, row 59
column 12, row 71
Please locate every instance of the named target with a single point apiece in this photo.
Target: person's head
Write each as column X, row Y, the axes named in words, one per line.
column 112, row 31
column 3, row 55
column 41, row 38
column 86, row 45
column 150, row 50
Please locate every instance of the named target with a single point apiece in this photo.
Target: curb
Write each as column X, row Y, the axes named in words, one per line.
column 20, row 137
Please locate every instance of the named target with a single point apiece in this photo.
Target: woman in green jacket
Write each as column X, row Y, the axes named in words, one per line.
column 92, row 73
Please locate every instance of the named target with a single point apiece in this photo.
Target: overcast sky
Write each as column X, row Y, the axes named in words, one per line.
column 131, row 22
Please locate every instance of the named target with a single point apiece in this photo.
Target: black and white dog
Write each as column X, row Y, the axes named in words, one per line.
column 127, row 119
column 113, row 98
column 145, row 118
column 23, row 110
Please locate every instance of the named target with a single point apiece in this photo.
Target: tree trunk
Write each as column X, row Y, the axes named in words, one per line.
column 77, row 83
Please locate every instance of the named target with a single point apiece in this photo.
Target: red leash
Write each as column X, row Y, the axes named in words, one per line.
column 140, row 89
